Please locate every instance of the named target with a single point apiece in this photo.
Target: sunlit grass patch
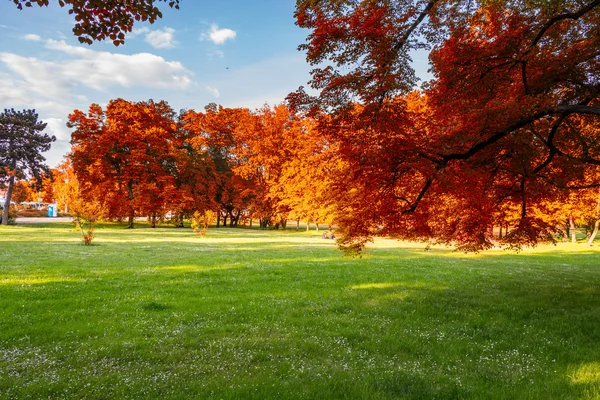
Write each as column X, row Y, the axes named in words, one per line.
column 588, row 373
column 375, row 286
column 34, row 280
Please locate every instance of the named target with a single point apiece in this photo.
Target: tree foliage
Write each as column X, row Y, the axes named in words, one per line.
column 105, row 19
column 21, row 146
column 511, row 113
column 126, row 156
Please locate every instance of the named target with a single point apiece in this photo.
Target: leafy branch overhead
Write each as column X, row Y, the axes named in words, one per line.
column 105, row 19
column 510, row 116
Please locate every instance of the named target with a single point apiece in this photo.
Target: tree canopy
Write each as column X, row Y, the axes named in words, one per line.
column 21, row 145
column 105, row 19
column 509, row 119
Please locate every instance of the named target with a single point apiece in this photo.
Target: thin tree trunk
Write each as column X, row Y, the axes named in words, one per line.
column 572, row 229
column 250, row 222
column 131, row 211
column 500, row 232
column 594, row 233
column 317, row 224
column 298, row 224
column 307, row 225
column 218, row 219
column 597, row 224
column 11, row 185
column 130, row 220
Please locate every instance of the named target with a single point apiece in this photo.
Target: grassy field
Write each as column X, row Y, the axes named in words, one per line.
column 162, row 313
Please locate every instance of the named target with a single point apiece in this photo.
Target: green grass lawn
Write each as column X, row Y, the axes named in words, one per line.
column 162, row 313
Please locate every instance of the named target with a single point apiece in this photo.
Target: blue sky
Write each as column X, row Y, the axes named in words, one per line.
column 237, row 53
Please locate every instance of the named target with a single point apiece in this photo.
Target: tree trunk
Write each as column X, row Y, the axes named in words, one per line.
column 500, row 232
column 250, row 222
column 572, row 229
column 307, row 226
column 594, row 233
column 298, row 224
column 563, row 229
column 130, row 220
column 317, row 224
column 218, row 219
column 235, row 219
column 131, row 211
column 597, row 224
column 11, row 185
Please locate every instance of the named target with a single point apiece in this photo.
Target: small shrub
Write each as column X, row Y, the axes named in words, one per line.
column 201, row 221
column 85, row 214
column 12, row 214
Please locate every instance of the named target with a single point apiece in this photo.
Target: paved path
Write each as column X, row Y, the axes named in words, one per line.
column 41, row 220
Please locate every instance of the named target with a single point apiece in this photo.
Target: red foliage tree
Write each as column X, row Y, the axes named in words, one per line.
column 126, row 157
column 510, row 81
column 102, row 19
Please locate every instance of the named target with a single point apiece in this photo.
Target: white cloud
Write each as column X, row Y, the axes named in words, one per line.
column 75, row 75
column 214, row 91
column 98, row 69
column 161, row 38
column 32, row 37
column 138, row 31
column 218, row 36
column 58, row 128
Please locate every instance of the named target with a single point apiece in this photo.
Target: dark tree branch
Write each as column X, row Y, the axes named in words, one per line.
column 564, row 109
column 415, row 24
column 558, row 18
column 553, row 150
column 415, row 203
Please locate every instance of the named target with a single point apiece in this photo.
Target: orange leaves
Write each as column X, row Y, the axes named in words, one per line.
column 494, row 136
column 124, row 155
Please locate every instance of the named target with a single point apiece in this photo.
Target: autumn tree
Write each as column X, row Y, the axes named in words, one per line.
column 21, row 191
column 126, row 157
column 101, row 19
column 265, row 144
column 65, row 186
column 21, row 144
column 511, row 81
column 212, row 134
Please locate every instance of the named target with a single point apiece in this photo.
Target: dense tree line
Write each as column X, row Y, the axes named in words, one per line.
column 503, row 144
column 141, row 159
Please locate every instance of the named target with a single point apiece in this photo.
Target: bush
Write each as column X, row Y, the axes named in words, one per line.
column 201, row 221
column 12, row 214
column 33, row 213
column 85, row 214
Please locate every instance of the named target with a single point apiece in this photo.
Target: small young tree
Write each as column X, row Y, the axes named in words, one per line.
column 85, row 215
column 21, row 145
column 201, row 221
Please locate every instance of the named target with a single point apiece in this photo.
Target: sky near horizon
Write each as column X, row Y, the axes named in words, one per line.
column 236, row 53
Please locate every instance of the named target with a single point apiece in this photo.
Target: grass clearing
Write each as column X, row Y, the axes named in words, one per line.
column 240, row 313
